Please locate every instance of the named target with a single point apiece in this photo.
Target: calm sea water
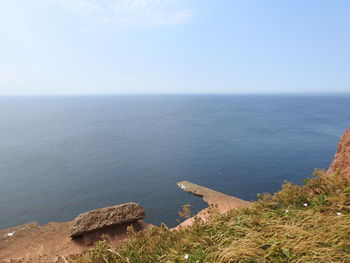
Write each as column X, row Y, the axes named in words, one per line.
column 61, row 156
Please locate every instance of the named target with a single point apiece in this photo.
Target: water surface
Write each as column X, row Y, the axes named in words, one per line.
column 61, row 156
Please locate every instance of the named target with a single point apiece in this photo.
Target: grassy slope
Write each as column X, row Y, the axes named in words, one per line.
column 279, row 228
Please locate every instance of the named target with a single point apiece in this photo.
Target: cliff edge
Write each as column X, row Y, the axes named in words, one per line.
column 341, row 161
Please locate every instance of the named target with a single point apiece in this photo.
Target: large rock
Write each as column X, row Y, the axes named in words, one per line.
column 106, row 217
column 341, row 162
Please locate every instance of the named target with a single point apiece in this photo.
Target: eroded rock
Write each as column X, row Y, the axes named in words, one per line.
column 106, row 217
column 341, row 161
column 222, row 202
column 213, row 198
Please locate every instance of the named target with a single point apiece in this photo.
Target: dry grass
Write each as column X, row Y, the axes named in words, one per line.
column 298, row 224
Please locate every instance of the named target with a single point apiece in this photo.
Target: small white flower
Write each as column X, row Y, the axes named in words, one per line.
column 338, row 214
column 287, row 210
column 9, row 234
column 186, row 256
column 305, row 204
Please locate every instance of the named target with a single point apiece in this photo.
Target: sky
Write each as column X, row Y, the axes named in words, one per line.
column 71, row 47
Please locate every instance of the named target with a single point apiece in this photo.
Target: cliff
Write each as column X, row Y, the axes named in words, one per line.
column 341, row 162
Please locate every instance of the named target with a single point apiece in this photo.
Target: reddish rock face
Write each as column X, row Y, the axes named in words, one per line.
column 341, row 160
column 222, row 202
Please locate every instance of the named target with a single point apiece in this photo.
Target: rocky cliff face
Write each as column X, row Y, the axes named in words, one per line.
column 341, row 162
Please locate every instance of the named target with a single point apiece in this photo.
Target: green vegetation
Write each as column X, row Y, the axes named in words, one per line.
column 309, row 223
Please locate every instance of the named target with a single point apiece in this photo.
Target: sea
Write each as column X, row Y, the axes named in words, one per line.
column 65, row 155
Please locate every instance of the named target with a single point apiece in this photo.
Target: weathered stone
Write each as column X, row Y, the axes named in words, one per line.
column 341, row 161
column 213, row 198
column 222, row 202
column 106, row 217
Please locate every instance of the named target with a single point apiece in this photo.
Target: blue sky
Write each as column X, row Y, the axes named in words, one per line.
column 174, row 46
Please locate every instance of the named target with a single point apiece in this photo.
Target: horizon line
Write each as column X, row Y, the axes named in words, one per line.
column 170, row 94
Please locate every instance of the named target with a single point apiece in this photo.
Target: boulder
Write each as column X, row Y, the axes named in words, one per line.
column 106, row 217
column 341, row 161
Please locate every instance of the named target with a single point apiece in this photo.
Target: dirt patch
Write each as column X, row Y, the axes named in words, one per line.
column 33, row 243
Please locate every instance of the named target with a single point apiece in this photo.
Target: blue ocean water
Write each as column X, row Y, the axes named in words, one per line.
column 61, row 156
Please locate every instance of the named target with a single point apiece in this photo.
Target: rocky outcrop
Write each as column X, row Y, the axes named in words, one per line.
column 341, row 161
column 222, row 202
column 213, row 198
column 106, row 217
column 30, row 242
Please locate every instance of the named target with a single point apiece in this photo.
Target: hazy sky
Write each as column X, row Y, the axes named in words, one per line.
column 174, row 46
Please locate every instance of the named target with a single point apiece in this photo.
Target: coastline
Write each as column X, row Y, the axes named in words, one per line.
column 29, row 242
